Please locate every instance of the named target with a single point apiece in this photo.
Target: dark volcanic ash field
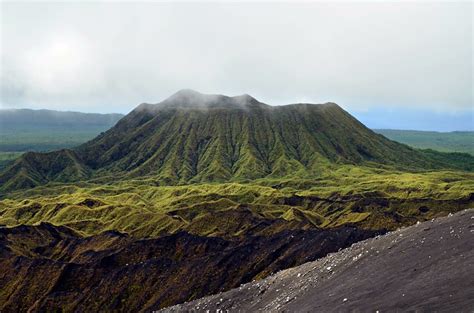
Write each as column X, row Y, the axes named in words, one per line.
column 428, row 267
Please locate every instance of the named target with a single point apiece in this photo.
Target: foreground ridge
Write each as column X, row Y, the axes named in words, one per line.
column 427, row 266
column 47, row 268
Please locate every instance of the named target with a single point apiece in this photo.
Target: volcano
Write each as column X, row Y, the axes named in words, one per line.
column 192, row 137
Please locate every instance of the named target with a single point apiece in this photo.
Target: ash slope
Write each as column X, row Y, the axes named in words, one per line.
column 427, row 267
column 48, row 268
column 192, row 137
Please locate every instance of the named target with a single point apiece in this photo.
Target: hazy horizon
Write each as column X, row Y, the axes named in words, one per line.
column 376, row 118
column 391, row 64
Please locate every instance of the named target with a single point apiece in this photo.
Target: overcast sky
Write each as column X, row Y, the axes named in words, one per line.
column 109, row 57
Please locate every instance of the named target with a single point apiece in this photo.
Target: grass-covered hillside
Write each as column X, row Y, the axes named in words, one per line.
column 201, row 193
column 196, row 138
column 457, row 141
column 342, row 195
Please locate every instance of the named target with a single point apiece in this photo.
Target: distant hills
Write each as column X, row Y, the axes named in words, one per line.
column 45, row 130
column 191, row 137
column 457, row 141
column 24, row 119
column 24, row 130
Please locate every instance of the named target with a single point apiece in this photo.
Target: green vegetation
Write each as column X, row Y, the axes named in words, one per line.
column 245, row 189
column 369, row 198
column 222, row 166
column 193, row 138
column 458, row 141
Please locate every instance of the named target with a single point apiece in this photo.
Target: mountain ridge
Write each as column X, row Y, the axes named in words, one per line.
column 191, row 137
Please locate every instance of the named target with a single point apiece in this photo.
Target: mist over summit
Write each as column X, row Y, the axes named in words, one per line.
column 295, row 142
column 191, row 99
column 192, row 137
column 198, row 194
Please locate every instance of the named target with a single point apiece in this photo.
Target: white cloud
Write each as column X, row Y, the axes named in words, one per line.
column 112, row 56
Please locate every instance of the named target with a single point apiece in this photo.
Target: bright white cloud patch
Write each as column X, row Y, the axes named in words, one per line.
column 111, row 56
column 54, row 66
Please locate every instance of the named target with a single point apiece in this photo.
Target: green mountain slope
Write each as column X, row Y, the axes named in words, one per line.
column 200, row 193
column 191, row 137
column 33, row 169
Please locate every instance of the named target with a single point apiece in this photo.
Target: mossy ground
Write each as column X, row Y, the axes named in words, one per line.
column 368, row 197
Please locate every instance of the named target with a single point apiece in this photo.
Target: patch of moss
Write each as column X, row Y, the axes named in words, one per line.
column 346, row 194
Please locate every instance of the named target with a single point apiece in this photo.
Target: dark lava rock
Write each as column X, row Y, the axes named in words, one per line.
column 50, row 268
column 427, row 267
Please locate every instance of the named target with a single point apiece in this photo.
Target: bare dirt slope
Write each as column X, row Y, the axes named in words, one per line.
column 48, row 268
column 428, row 267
